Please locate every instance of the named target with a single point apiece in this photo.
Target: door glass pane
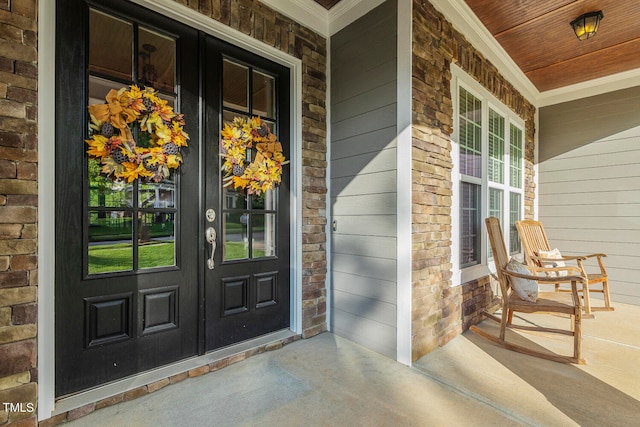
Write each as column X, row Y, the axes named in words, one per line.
column 235, row 89
column 110, row 46
column 263, row 95
column 99, row 88
column 266, row 200
column 263, row 228
column 271, row 125
column 249, row 224
column 234, row 199
column 110, row 241
column 157, row 195
column 228, row 116
column 103, row 191
column 156, row 60
column 156, row 240
column 112, row 231
column 235, row 238
column 106, row 193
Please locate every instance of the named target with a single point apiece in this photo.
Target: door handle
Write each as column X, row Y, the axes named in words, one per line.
column 211, row 238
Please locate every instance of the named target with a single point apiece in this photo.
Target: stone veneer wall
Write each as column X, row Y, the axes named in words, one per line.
column 441, row 312
column 18, row 181
column 18, row 208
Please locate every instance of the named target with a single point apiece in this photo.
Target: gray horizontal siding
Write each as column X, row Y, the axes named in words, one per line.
column 363, row 180
column 366, row 225
column 580, row 198
column 365, row 183
column 361, row 143
column 366, row 266
column 366, row 205
column 589, row 193
column 372, row 246
column 365, row 331
column 364, row 122
column 567, row 126
column 590, row 186
column 366, row 163
column 374, row 288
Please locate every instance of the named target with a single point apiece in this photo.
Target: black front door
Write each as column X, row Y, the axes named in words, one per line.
column 133, row 287
column 247, row 285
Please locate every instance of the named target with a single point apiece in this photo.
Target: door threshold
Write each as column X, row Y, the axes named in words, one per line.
column 99, row 393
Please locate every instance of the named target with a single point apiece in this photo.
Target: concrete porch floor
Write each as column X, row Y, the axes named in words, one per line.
column 329, row 381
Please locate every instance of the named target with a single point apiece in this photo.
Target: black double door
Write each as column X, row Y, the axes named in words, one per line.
column 150, row 273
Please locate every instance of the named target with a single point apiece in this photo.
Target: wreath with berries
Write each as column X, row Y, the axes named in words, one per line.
column 262, row 173
column 160, row 135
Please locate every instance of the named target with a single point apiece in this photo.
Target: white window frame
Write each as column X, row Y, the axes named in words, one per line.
column 485, row 264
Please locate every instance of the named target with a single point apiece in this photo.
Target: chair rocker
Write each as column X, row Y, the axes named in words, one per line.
column 534, row 239
column 547, row 302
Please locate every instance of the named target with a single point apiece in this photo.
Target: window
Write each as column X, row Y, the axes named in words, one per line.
column 129, row 227
column 488, row 180
column 249, row 221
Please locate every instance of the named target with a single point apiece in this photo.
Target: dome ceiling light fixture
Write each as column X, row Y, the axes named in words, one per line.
column 586, row 26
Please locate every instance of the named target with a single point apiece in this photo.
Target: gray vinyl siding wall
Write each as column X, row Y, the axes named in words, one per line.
column 363, row 180
column 590, row 189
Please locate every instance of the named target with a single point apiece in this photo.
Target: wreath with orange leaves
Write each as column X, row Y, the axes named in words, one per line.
column 160, row 135
column 264, row 172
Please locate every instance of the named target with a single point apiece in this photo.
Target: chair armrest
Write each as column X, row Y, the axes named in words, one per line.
column 546, row 279
column 563, row 258
column 579, row 259
column 570, row 269
column 595, row 255
column 572, row 257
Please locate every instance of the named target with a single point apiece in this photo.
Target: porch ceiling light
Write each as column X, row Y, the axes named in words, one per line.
column 585, row 26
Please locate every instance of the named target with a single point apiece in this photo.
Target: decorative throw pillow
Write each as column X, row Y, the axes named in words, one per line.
column 526, row 289
column 553, row 254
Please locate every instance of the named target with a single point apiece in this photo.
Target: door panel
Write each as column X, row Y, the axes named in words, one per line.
column 247, row 292
column 127, row 258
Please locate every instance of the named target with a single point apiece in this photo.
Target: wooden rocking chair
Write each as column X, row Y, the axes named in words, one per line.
column 534, row 240
column 547, row 302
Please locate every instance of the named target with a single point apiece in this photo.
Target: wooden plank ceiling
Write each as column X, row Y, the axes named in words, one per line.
column 538, row 37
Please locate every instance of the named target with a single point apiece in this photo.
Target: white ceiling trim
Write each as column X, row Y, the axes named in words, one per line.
column 347, row 11
column 624, row 80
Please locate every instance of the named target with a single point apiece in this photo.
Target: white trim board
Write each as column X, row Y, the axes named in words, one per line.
column 46, row 197
column 404, row 179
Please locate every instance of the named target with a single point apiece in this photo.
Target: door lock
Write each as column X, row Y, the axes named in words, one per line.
column 211, row 238
column 210, row 214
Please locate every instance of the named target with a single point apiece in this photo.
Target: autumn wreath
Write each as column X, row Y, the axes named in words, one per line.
column 264, row 172
column 160, row 135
